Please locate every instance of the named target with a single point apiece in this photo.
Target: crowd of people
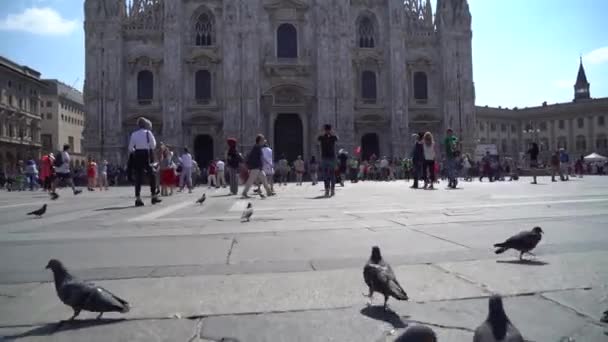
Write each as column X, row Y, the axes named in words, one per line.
column 170, row 170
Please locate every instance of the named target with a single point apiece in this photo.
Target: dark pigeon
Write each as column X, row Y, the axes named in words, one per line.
column 417, row 333
column 247, row 212
column 379, row 277
column 605, row 317
column 497, row 327
column 524, row 242
column 84, row 296
column 38, row 212
column 202, row 199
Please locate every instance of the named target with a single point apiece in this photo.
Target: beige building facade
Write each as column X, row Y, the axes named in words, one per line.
column 20, row 96
column 579, row 126
column 206, row 70
column 63, row 119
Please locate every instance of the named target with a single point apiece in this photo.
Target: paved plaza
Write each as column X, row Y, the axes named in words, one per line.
column 294, row 273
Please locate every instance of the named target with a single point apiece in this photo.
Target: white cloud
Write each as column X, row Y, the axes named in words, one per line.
column 563, row 84
column 43, row 21
column 597, row 56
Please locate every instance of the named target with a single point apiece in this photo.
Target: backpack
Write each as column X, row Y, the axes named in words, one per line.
column 58, row 159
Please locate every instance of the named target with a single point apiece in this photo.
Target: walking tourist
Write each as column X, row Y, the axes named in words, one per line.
column 298, row 165
column 46, row 171
column 31, row 172
column 418, row 160
column 102, row 178
column 141, row 146
column 429, row 153
column 234, row 159
column 451, row 152
column 328, row 159
column 62, row 172
column 91, row 174
column 533, row 152
column 313, row 169
column 268, row 166
column 185, row 177
column 283, row 170
column 221, row 173
column 255, row 165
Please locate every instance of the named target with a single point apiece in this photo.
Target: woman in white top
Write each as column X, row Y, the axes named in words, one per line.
column 429, row 150
column 141, row 147
column 268, row 165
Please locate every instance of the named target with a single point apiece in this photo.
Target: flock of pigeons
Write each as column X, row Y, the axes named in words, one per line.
column 245, row 217
column 377, row 274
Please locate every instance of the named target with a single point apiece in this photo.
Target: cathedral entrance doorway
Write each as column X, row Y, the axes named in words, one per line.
column 370, row 145
column 203, row 150
column 288, row 137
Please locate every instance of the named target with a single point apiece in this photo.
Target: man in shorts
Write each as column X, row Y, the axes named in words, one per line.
column 62, row 172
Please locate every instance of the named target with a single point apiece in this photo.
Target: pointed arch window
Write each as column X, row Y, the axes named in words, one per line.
column 203, row 30
column 145, row 87
column 420, row 86
column 202, row 86
column 366, row 33
column 368, row 86
column 287, row 41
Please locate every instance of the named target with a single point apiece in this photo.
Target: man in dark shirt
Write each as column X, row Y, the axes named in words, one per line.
column 255, row 166
column 328, row 159
column 417, row 159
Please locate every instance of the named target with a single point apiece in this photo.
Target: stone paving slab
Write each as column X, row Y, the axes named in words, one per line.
column 214, row 295
column 335, row 244
column 592, row 302
column 546, row 273
column 104, row 330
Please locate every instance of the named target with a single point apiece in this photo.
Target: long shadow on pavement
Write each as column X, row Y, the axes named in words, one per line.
column 115, row 208
column 378, row 313
column 52, row 328
column 524, row 262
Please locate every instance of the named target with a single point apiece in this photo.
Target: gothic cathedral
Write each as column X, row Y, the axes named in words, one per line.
column 205, row 70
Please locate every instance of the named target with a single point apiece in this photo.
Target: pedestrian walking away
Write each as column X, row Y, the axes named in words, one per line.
column 451, row 152
column 234, row 160
column 328, row 140
column 185, row 177
column 141, row 146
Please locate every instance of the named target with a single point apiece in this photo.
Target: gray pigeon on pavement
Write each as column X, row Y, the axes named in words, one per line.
column 202, row 199
column 379, row 277
column 524, row 242
column 39, row 212
column 417, row 333
column 247, row 212
column 497, row 327
column 84, row 296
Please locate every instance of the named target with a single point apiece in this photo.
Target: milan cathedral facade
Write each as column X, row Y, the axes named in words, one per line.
column 205, row 70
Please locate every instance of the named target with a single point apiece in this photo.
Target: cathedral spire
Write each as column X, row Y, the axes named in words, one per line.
column 581, row 87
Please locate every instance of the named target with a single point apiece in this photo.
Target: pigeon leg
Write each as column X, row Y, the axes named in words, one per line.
column 76, row 313
column 521, row 255
column 370, row 297
column 100, row 314
column 386, row 308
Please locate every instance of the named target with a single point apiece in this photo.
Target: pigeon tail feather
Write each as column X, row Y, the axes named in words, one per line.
column 397, row 291
column 500, row 250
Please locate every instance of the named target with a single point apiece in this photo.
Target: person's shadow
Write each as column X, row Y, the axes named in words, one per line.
column 377, row 312
column 52, row 328
column 527, row 262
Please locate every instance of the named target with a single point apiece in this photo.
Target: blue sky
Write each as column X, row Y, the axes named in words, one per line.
column 524, row 51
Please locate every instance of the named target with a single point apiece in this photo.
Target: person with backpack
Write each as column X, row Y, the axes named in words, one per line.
column 255, row 164
column 141, row 147
column 61, row 164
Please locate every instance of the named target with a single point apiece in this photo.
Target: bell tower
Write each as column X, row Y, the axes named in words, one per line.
column 581, row 87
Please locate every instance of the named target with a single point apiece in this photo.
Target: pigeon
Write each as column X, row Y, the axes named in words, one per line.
column 247, row 212
column 605, row 317
column 524, row 242
column 417, row 333
column 202, row 199
column 84, row 296
column 379, row 277
column 497, row 327
column 38, row 212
